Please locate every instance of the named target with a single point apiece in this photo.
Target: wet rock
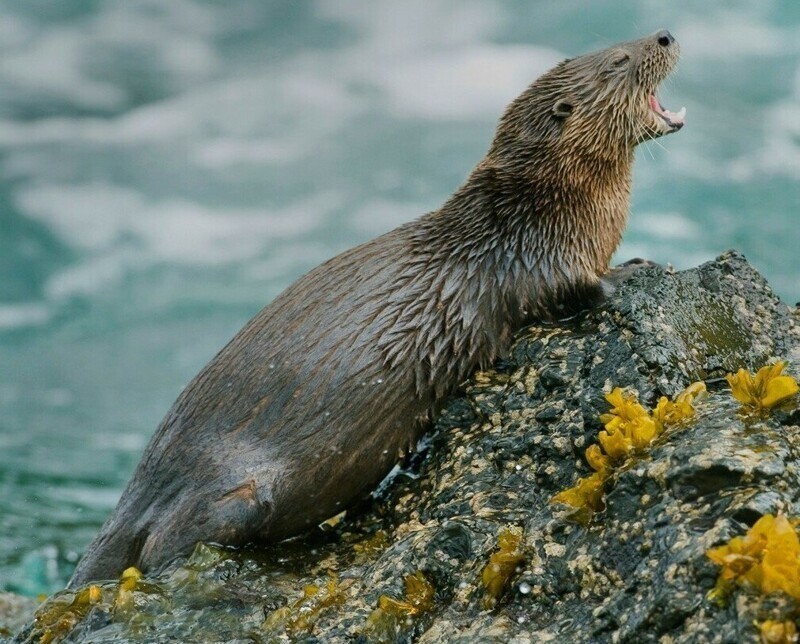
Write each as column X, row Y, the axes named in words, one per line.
column 15, row 611
column 499, row 452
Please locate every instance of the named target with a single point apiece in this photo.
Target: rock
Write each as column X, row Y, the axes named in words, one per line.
column 636, row 573
column 15, row 611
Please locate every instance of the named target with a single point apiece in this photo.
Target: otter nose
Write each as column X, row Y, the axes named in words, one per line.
column 664, row 38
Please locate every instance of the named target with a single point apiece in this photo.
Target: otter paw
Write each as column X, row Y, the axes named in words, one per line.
column 619, row 274
column 637, row 262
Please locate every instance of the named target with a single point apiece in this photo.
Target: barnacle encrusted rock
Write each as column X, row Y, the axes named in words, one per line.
column 636, row 573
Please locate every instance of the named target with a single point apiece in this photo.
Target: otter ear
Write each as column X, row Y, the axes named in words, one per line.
column 562, row 108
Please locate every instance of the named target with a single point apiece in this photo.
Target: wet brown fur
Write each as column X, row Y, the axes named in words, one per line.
column 313, row 401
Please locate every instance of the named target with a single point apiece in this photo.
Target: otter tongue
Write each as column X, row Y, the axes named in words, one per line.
column 673, row 117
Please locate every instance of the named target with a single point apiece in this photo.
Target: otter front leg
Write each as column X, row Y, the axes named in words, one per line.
column 589, row 294
column 576, row 298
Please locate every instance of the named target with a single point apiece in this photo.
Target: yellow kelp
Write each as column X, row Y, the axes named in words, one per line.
column 300, row 616
column 394, row 616
column 629, row 429
column 774, row 632
column 768, row 388
column 502, row 565
column 766, row 558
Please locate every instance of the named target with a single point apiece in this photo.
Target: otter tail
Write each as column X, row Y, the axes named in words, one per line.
column 150, row 535
column 117, row 547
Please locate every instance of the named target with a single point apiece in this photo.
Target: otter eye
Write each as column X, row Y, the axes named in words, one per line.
column 562, row 109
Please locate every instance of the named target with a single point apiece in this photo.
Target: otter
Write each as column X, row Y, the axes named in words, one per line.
column 314, row 401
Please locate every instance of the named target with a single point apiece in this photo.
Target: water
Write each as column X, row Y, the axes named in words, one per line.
column 168, row 167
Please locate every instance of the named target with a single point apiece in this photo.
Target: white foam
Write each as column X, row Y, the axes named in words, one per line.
column 17, row 316
column 666, row 225
column 258, row 112
column 65, row 62
column 400, row 28
column 727, row 35
column 236, row 120
column 119, row 229
column 474, row 82
column 227, row 151
column 52, row 66
column 429, row 72
column 15, row 31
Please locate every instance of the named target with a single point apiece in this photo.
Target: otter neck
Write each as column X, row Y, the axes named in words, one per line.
column 496, row 256
column 561, row 221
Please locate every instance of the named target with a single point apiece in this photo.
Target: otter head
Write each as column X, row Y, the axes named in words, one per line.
column 600, row 105
column 615, row 90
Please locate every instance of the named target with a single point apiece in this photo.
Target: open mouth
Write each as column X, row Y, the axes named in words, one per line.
column 673, row 120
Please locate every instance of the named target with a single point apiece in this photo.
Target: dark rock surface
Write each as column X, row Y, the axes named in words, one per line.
column 636, row 573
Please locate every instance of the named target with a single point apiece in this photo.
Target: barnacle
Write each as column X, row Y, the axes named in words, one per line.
column 502, row 565
column 766, row 389
column 629, row 429
column 767, row 558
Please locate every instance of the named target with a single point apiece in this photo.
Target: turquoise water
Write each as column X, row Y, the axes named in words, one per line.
column 166, row 168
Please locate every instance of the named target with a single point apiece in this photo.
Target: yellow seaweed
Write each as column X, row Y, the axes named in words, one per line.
column 670, row 412
column 768, row 388
column 767, row 558
column 775, row 632
column 502, row 565
column 586, row 493
column 373, row 545
column 302, row 614
column 57, row 618
column 629, row 430
column 391, row 617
